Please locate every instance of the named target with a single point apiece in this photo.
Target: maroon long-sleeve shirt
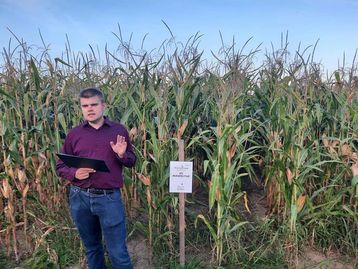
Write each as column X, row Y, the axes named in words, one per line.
column 86, row 141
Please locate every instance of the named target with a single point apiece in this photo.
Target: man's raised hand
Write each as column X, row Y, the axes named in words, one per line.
column 120, row 146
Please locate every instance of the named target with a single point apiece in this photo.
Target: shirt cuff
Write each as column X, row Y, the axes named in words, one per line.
column 123, row 157
column 72, row 173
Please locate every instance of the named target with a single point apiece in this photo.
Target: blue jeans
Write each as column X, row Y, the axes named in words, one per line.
column 97, row 214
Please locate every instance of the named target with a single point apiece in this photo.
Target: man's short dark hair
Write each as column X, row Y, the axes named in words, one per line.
column 90, row 92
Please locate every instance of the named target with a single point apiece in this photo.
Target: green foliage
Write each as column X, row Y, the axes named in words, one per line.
column 6, row 262
column 41, row 259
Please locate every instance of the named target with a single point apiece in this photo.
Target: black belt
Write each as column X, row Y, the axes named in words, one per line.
column 99, row 191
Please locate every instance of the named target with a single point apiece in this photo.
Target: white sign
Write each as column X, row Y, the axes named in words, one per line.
column 181, row 177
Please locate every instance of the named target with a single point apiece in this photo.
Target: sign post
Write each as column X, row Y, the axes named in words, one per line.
column 181, row 212
column 181, row 177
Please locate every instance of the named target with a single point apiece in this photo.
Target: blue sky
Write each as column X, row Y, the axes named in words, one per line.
column 333, row 22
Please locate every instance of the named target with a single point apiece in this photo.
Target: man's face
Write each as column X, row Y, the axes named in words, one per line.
column 92, row 109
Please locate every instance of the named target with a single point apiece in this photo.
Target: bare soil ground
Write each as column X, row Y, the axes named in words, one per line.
column 312, row 258
column 139, row 251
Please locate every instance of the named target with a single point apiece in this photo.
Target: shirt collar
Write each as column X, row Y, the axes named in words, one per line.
column 106, row 122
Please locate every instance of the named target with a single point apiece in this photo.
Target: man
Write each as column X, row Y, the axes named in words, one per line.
column 95, row 198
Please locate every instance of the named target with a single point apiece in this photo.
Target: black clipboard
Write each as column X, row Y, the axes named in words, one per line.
column 82, row 162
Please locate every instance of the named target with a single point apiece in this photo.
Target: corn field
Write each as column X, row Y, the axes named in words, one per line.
column 284, row 127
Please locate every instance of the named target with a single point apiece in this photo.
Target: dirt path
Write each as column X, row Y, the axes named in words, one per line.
column 312, row 258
